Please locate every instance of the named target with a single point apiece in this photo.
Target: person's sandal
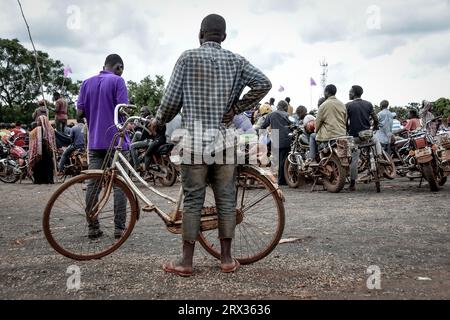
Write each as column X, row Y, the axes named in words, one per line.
column 178, row 270
column 232, row 268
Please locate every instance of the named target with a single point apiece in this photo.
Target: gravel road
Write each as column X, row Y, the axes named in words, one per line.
column 334, row 239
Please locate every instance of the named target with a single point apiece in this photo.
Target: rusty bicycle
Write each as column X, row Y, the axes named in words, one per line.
column 260, row 214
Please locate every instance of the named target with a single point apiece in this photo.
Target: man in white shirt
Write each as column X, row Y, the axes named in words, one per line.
column 384, row 133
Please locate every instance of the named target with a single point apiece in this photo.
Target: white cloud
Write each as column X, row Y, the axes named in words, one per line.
column 405, row 60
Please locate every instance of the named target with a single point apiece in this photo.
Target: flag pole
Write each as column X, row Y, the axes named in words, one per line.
column 35, row 54
column 62, row 86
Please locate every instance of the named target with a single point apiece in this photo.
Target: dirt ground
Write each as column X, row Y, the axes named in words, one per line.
column 404, row 231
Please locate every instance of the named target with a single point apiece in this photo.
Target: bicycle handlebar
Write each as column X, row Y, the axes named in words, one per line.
column 116, row 115
column 117, row 109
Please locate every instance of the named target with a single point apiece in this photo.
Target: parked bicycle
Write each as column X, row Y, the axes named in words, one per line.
column 260, row 213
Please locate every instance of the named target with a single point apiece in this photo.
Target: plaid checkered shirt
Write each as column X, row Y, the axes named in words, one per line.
column 207, row 82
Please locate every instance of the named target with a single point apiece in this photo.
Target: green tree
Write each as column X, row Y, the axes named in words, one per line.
column 147, row 92
column 19, row 81
column 401, row 112
column 442, row 107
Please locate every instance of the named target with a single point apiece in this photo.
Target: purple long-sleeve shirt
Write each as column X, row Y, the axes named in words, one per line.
column 97, row 99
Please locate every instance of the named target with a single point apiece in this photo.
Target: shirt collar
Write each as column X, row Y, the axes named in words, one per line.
column 106, row 72
column 212, row 44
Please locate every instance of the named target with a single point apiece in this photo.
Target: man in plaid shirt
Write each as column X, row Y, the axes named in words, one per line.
column 207, row 83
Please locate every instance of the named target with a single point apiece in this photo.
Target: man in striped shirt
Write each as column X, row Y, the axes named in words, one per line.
column 207, row 83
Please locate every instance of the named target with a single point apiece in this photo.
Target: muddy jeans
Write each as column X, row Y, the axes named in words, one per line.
column 222, row 180
column 96, row 158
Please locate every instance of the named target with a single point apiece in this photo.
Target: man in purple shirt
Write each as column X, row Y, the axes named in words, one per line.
column 96, row 102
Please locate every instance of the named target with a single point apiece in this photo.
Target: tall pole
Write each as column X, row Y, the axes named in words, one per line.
column 35, row 53
column 324, row 74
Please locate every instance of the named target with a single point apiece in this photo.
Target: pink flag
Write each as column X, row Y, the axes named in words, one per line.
column 67, row 71
column 281, row 89
column 312, row 82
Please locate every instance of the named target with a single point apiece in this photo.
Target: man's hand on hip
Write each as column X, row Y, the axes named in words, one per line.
column 228, row 117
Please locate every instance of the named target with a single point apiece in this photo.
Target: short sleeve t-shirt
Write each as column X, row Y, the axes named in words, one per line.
column 98, row 97
column 358, row 113
column 413, row 124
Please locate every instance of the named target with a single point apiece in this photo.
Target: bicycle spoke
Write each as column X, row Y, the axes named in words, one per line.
column 260, row 220
column 67, row 227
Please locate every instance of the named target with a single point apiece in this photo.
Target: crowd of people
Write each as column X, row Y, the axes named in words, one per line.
column 336, row 119
column 214, row 102
column 42, row 139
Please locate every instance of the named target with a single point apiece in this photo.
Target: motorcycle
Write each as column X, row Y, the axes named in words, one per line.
column 298, row 155
column 428, row 158
column 20, row 139
column 333, row 164
column 78, row 161
column 161, row 167
column 402, row 159
column 13, row 163
column 369, row 163
column 443, row 156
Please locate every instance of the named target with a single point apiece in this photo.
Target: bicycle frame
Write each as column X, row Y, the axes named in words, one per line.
column 117, row 167
column 92, row 212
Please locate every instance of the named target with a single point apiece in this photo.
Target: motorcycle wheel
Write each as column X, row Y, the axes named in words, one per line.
column 336, row 182
column 441, row 179
column 10, row 176
column 389, row 171
column 171, row 177
column 427, row 171
column 292, row 176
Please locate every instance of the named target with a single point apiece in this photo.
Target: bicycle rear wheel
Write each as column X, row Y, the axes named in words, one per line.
column 68, row 228
column 259, row 218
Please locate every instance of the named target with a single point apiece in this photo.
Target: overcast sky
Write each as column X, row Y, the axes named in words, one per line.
column 397, row 50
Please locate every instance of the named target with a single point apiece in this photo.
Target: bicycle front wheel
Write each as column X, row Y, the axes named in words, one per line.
column 259, row 218
column 90, row 216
